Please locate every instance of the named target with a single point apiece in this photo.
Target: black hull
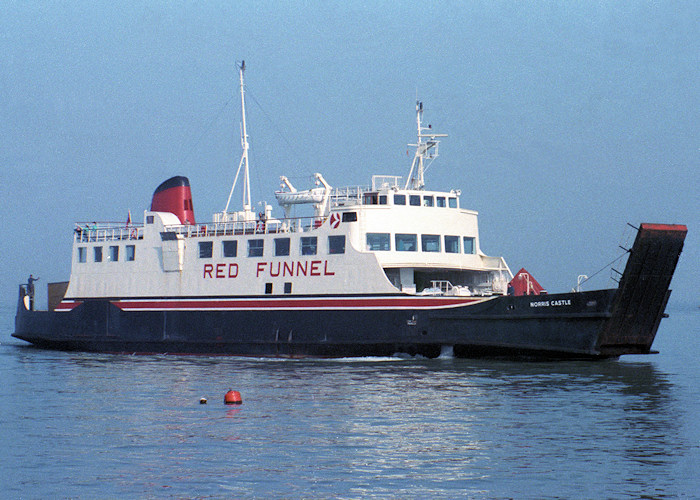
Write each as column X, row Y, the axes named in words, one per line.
column 594, row 324
column 500, row 326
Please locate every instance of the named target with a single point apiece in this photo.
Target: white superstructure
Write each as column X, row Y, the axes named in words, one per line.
column 388, row 238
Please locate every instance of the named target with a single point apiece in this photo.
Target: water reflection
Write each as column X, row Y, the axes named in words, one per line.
column 393, row 427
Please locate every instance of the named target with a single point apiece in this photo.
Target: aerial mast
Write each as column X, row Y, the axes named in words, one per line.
column 244, row 156
column 425, row 150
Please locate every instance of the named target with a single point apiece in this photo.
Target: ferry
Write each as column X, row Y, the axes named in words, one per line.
column 379, row 270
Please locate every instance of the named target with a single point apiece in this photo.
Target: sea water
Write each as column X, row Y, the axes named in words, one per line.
column 113, row 426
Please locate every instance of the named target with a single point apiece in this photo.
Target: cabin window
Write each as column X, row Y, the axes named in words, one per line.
column 336, row 244
column 114, row 253
column 406, row 242
column 399, row 199
column 430, row 242
column 206, row 249
column 378, row 242
column 469, row 246
column 382, row 199
column 287, row 287
column 452, row 244
column 369, row 199
column 281, row 246
column 98, row 254
column 349, row 217
column 255, row 248
column 308, row 245
column 229, row 248
column 452, row 202
column 427, row 201
column 130, row 253
column 149, row 219
column 414, row 200
column 268, row 288
column 440, row 201
column 82, row 254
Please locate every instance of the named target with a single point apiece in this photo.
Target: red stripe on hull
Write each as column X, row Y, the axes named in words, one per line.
column 67, row 306
column 328, row 303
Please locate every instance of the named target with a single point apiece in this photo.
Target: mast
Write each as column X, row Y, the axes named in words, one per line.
column 244, row 156
column 425, row 150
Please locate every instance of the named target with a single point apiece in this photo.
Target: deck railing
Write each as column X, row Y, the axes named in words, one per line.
column 90, row 232
column 272, row 226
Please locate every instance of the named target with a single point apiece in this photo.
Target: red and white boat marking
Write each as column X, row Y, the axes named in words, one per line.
column 286, row 303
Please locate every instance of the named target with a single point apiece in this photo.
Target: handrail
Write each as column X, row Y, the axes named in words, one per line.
column 261, row 226
column 106, row 231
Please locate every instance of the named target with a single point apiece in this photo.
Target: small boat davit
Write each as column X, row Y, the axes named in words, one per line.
column 375, row 270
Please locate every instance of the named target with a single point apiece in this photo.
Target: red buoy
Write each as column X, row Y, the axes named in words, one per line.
column 233, row 398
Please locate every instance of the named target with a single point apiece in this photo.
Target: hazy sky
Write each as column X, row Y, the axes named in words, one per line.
column 565, row 119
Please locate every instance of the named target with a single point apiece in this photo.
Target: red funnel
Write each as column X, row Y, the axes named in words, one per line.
column 174, row 196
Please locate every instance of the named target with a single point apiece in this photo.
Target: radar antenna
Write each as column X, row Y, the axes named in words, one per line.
column 426, row 149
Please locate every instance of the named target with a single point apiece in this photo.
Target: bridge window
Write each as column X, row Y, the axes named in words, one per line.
column 452, row 202
column 382, row 199
column 452, row 244
column 130, row 253
column 369, row 199
column 430, row 242
column 427, row 201
column 336, row 244
column 399, row 199
column 113, row 253
column 441, row 201
column 206, row 249
column 308, row 245
column 98, row 254
column 378, row 241
column 230, row 248
column 414, row 200
column 255, row 248
column 469, row 246
column 281, row 246
column 406, row 242
column 349, row 217
column 82, row 254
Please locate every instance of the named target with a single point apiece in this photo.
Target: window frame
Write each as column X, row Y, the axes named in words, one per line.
column 304, row 248
column 453, row 239
column 225, row 252
column 205, row 247
column 427, row 239
column 282, row 251
column 381, row 242
column 113, row 253
column 332, row 248
column 403, row 242
column 471, row 246
column 254, row 249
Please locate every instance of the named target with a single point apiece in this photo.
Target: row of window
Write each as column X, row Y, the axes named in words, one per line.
column 112, row 254
column 414, row 200
column 428, row 243
column 308, row 245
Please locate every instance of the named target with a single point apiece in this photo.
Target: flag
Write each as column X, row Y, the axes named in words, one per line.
column 128, row 219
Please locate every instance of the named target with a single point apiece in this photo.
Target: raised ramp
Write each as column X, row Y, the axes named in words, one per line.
column 643, row 293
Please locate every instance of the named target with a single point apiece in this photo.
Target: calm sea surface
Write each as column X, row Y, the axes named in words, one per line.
column 96, row 425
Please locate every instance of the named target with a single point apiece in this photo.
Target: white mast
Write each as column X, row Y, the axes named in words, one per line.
column 425, row 150
column 244, row 157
